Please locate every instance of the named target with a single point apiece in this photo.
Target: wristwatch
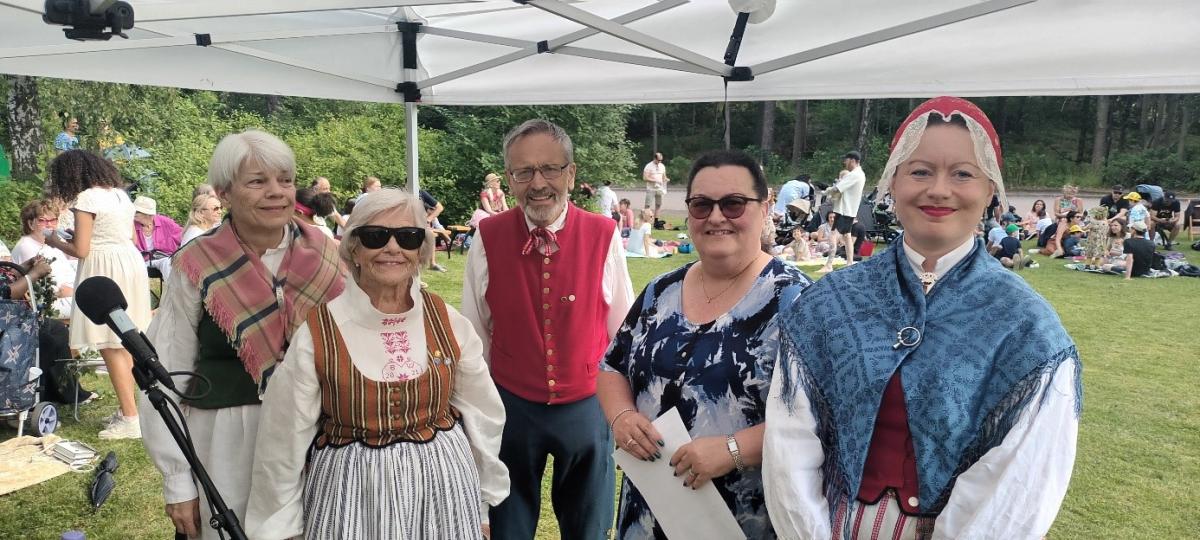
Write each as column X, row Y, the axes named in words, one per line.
column 732, row 445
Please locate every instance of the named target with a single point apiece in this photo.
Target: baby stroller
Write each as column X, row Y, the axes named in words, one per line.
column 20, row 376
column 795, row 218
column 878, row 219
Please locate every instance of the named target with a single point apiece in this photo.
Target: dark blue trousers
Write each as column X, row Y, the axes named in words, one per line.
column 583, row 482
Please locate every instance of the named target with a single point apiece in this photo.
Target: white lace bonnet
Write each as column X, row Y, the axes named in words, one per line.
column 908, row 137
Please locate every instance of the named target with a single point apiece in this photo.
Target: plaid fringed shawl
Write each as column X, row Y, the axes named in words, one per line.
column 244, row 299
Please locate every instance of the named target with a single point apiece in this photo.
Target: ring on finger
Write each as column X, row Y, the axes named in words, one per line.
column 629, row 443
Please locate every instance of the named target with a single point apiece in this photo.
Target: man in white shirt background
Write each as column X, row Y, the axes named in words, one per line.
column 846, row 195
column 609, row 201
column 655, row 175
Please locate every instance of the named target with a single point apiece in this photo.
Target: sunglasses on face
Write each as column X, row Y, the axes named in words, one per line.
column 732, row 206
column 376, row 237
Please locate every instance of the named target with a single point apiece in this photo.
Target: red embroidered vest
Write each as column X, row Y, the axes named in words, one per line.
column 891, row 461
column 378, row 413
column 548, row 311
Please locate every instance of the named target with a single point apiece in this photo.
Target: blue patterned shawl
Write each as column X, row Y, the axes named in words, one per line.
column 965, row 384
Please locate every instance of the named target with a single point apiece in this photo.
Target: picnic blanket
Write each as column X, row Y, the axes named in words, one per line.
column 24, row 463
column 1082, row 268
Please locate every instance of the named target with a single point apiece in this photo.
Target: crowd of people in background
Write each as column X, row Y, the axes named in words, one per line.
column 329, row 366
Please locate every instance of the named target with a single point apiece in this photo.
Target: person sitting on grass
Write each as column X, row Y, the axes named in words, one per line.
column 1034, row 218
column 1071, row 242
column 1008, row 251
column 1116, row 242
column 627, row 218
column 1139, row 253
column 640, row 240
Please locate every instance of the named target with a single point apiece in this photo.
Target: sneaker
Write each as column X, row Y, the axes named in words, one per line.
column 1034, row 265
column 112, row 419
column 437, row 267
column 125, row 428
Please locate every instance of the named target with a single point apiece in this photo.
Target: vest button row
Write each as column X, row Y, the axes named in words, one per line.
column 546, row 260
column 545, row 275
column 913, row 501
column 550, row 382
column 545, row 290
column 550, row 367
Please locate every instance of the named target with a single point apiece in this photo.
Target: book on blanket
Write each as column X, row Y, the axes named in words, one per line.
column 74, row 453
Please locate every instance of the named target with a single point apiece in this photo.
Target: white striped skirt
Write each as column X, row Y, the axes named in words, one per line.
column 881, row 521
column 406, row 490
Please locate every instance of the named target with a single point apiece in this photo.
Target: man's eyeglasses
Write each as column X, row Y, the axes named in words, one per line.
column 376, row 237
column 549, row 172
column 732, row 206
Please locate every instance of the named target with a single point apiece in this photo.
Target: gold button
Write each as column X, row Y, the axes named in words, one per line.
column 545, row 275
column 549, row 351
column 547, row 337
column 551, row 381
column 571, row 298
column 546, row 260
column 546, row 290
column 913, row 501
column 550, row 367
column 546, row 322
column 545, row 306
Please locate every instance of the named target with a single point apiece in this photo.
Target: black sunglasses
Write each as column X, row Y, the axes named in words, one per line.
column 375, row 237
column 732, row 206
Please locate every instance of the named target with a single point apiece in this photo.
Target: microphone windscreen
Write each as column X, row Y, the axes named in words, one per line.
column 98, row 296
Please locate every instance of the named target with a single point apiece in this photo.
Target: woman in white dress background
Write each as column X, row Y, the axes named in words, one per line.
column 104, row 244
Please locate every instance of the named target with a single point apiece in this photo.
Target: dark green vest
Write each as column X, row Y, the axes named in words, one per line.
column 217, row 360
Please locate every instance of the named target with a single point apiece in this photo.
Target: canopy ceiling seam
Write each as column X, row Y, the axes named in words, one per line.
column 887, row 34
column 552, row 44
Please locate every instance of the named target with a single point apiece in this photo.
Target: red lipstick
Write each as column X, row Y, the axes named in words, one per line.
column 937, row 211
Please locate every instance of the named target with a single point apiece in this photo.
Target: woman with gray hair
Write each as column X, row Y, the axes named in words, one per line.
column 233, row 298
column 383, row 421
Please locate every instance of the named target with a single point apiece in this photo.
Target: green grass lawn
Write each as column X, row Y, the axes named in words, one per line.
column 1139, row 444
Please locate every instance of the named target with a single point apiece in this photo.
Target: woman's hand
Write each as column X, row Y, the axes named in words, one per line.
column 186, row 516
column 37, row 268
column 487, row 531
column 635, row 435
column 702, row 460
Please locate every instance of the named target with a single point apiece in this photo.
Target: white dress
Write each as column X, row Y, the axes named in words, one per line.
column 113, row 255
column 403, row 490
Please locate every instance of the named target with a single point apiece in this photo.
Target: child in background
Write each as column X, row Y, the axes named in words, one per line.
column 1096, row 244
column 626, row 215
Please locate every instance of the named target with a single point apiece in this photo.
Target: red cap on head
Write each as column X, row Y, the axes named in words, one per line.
column 945, row 106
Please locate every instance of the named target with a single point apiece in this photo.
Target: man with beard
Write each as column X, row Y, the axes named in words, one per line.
column 558, row 300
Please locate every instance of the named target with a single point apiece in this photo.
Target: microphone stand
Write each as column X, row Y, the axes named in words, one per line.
column 222, row 517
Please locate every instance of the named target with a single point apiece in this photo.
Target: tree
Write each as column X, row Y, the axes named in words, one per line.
column 1101, row 138
column 768, row 130
column 25, row 127
column 864, row 124
column 799, row 132
column 1185, row 122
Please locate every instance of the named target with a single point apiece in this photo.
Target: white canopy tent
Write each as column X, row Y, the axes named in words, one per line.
column 492, row 52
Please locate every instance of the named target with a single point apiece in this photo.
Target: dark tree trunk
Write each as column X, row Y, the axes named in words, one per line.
column 768, row 130
column 1145, row 110
column 1085, row 122
column 1126, row 106
column 273, row 104
column 1185, row 123
column 24, row 127
column 800, row 132
column 1001, row 118
column 1159, row 129
column 654, row 129
column 864, row 124
column 1101, row 138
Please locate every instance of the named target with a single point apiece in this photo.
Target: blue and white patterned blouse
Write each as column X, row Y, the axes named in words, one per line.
column 717, row 374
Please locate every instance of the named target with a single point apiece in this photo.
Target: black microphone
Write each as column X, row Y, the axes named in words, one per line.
column 101, row 300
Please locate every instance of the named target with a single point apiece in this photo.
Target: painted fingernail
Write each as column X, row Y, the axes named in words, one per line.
column 657, row 455
column 661, row 443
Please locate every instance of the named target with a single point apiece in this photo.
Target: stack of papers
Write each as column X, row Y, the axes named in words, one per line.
column 73, row 453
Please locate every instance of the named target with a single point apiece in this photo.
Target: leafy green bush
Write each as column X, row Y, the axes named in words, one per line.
column 1157, row 166
column 14, row 195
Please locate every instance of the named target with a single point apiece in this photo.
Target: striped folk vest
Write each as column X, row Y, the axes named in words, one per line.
column 377, row 413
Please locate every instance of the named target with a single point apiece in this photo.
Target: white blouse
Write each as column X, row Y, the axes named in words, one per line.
column 1014, row 491
column 292, row 403
column 224, row 438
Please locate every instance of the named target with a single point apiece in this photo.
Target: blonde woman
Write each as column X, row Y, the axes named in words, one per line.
column 205, row 215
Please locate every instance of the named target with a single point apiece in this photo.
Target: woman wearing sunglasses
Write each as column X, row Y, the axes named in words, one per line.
column 383, row 421
column 234, row 297
column 701, row 339
column 903, row 406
